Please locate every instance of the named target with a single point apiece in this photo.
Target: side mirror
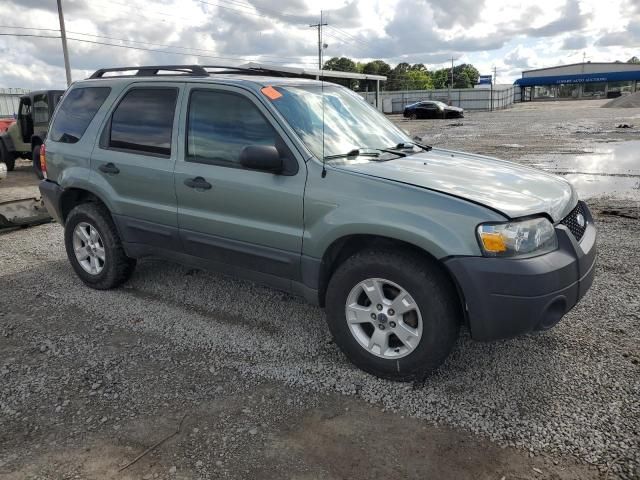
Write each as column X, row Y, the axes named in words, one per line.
column 261, row 157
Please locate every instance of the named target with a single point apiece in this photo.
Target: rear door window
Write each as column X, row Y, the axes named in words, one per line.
column 143, row 121
column 76, row 112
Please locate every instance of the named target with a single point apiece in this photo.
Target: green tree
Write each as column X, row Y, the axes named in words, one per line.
column 397, row 78
column 441, row 78
column 377, row 67
column 634, row 59
column 342, row 64
column 419, row 80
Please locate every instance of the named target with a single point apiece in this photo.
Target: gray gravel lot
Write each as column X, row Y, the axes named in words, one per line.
column 91, row 379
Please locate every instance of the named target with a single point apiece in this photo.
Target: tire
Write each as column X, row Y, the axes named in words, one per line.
column 115, row 267
column 36, row 162
column 413, row 116
column 438, row 312
column 7, row 157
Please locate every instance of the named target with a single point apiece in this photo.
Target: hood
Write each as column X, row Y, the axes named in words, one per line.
column 510, row 188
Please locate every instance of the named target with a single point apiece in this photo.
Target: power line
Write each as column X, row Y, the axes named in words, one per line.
column 139, row 48
column 32, row 28
column 28, row 35
column 292, row 59
column 351, row 38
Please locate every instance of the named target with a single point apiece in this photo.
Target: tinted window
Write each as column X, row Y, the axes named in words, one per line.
column 221, row 124
column 76, row 112
column 143, row 121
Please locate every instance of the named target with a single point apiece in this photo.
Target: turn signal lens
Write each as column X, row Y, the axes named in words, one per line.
column 493, row 242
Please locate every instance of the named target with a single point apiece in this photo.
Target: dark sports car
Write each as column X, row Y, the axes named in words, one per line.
column 432, row 109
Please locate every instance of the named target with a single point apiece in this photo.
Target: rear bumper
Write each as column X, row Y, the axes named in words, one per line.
column 508, row 297
column 51, row 193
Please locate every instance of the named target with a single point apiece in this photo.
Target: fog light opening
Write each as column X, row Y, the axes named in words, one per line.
column 553, row 313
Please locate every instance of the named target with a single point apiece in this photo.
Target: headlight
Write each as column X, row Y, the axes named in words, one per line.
column 525, row 238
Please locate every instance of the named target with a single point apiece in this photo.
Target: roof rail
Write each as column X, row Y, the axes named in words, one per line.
column 246, row 70
column 150, row 70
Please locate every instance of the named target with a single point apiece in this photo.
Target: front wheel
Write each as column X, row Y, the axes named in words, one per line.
column 94, row 248
column 393, row 314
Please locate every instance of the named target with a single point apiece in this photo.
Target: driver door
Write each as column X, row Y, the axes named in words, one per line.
column 246, row 221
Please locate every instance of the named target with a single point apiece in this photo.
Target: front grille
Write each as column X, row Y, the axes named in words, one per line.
column 571, row 221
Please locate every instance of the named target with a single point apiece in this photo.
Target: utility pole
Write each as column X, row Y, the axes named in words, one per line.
column 63, row 35
column 319, row 27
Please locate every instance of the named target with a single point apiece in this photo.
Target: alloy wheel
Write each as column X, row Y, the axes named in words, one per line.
column 384, row 318
column 89, row 248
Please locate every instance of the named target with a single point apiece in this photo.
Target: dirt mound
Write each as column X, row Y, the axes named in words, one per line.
column 626, row 101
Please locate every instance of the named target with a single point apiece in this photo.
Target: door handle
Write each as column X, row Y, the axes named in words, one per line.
column 109, row 168
column 198, row 183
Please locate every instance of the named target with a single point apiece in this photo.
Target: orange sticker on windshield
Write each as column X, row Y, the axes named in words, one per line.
column 271, row 93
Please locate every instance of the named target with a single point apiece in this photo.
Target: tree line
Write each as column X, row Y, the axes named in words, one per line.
column 404, row 76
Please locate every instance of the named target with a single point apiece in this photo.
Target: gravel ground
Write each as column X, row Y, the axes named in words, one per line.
column 91, row 379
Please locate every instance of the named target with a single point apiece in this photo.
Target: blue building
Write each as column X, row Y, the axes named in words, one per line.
column 580, row 81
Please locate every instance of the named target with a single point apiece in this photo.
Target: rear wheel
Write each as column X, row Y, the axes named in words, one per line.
column 413, row 116
column 393, row 314
column 94, row 248
column 36, row 162
column 7, row 157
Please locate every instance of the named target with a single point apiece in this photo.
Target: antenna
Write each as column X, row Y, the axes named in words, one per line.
column 321, row 67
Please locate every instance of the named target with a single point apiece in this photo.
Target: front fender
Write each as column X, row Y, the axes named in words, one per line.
column 344, row 204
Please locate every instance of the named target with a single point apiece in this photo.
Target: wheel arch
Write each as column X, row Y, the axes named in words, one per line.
column 75, row 196
column 343, row 248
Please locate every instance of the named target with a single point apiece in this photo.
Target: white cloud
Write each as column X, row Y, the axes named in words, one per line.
column 508, row 35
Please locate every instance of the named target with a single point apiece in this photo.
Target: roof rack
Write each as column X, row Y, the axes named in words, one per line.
column 150, row 70
column 243, row 69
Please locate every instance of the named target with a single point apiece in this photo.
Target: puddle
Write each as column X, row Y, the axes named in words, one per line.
column 589, row 186
column 611, row 169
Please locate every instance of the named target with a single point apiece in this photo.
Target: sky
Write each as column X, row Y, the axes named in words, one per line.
column 509, row 35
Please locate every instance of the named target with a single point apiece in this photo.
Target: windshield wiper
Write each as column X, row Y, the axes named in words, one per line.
column 405, row 145
column 356, row 152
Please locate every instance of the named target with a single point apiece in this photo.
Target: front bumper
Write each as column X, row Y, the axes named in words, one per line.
column 508, row 297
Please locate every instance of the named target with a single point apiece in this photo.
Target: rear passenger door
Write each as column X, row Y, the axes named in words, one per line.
column 134, row 160
column 247, row 219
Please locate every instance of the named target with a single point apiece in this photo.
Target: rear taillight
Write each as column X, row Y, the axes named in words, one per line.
column 43, row 160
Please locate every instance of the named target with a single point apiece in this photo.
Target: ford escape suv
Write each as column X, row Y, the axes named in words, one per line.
column 303, row 186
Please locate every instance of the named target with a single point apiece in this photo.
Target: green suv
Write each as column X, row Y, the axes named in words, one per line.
column 303, row 186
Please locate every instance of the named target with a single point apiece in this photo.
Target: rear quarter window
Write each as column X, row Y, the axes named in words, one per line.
column 76, row 112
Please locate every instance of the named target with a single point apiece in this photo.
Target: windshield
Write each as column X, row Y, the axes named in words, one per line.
column 350, row 122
